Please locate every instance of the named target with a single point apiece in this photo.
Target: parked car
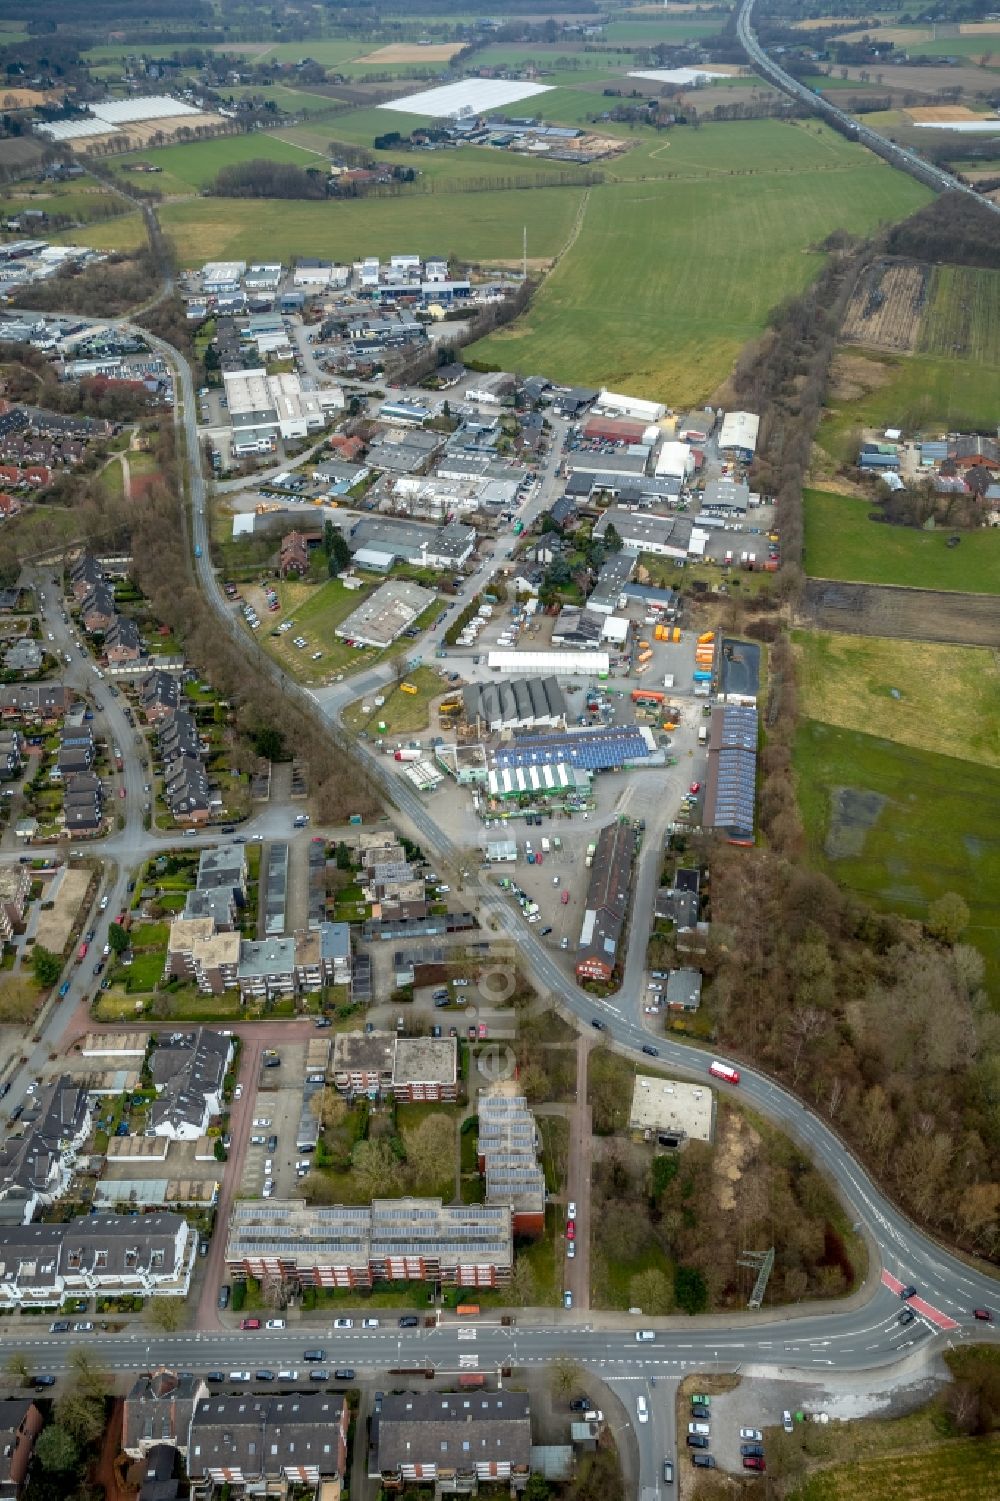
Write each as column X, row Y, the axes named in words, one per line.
column 746, row 1449
column 409, row 1321
column 754, row 1434
column 697, row 1441
column 250, row 1323
column 223, row 1298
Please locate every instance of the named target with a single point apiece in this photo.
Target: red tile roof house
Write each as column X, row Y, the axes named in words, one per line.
column 10, row 505
column 38, row 475
column 294, row 554
column 9, row 474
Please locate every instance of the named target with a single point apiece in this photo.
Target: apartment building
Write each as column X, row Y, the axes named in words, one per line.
column 292, row 1244
column 103, row 1255
column 455, row 1441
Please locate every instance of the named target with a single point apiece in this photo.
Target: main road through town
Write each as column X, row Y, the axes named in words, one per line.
column 857, row 1334
column 950, row 1286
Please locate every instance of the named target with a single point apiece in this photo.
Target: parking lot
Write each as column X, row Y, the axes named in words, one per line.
column 276, row 1111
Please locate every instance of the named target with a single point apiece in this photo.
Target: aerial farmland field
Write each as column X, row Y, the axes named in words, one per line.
column 963, row 315
column 704, row 264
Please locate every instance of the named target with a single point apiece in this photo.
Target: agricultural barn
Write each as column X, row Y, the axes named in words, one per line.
column 876, row 456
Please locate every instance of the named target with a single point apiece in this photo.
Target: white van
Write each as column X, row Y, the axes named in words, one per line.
column 644, row 1336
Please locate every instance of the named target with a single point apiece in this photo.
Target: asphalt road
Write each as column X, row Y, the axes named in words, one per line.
column 857, row 1335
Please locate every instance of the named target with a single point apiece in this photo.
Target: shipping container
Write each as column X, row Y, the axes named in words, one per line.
column 701, row 676
column 705, row 637
column 407, row 755
column 467, row 1310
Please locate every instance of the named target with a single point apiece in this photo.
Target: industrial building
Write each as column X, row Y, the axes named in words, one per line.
column 726, row 498
column 263, row 406
column 521, row 704
column 739, row 435
column 386, row 614
column 667, row 536
column 670, row 1111
column 731, row 780
column 603, row 748
column 379, row 542
column 607, row 902
column 738, row 671
column 629, row 406
column 538, row 781
column 568, row 663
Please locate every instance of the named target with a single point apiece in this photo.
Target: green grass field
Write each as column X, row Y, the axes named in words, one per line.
column 963, row 1469
column 915, row 392
column 841, row 543
column 949, row 696
column 963, row 315
column 483, row 227
column 402, row 713
column 192, row 167
column 666, row 282
column 901, row 826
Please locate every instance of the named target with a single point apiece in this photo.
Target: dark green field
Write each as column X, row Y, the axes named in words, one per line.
column 901, row 826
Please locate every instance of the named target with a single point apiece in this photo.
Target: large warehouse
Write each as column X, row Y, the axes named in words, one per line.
column 739, row 434
column 569, row 663
column 522, row 704
column 731, row 781
column 386, row 614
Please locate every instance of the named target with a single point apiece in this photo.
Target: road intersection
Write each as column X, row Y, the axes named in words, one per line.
column 857, row 1334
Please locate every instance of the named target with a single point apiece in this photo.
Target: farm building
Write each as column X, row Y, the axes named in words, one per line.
column 876, row 456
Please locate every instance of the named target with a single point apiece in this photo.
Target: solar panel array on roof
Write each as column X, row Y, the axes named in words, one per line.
column 732, row 772
column 591, row 750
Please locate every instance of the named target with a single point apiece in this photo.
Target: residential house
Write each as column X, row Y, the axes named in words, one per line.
column 85, row 574
column 188, row 1071
column 122, row 641
column 363, row 1063
column 20, row 1424
column 11, row 754
column 36, row 1166
column 425, row 1068
column 263, row 1445
column 158, row 1409
column 160, row 696
column 454, row 1441
column 196, row 951
column 44, row 703
column 25, row 655
column 507, row 1152
column 293, row 1244
column 98, row 609
column 683, row 991
column 294, row 556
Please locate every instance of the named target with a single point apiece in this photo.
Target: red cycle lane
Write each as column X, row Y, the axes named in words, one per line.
column 940, row 1320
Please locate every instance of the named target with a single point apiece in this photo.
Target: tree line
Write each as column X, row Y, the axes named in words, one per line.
column 953, row 229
